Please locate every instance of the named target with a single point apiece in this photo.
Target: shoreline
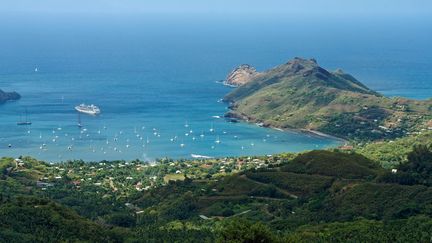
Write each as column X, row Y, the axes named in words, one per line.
column 321, row 134
column 250, row 120
column 310, row 132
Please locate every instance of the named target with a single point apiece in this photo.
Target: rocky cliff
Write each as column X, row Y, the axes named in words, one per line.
column 241, row 75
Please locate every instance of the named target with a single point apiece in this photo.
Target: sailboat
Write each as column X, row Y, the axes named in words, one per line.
column 26, row 122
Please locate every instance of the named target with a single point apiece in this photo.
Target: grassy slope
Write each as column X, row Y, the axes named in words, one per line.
column 302, row 95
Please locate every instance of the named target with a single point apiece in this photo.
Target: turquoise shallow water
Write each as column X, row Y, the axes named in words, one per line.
column 155, row 80
column 139, row 119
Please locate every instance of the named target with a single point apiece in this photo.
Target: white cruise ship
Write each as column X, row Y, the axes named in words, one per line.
column 88, row 109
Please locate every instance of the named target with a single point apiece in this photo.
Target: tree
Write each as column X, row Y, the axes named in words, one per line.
column 419, row 164
column 242, row 230
column 420, row 159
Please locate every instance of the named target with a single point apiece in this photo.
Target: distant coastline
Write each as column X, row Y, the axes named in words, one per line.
column 8, row 96
column 250, row 120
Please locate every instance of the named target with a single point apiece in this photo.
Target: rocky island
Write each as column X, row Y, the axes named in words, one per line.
column 302, row 95
column 6, row 96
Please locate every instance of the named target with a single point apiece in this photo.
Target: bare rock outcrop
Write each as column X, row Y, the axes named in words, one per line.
column 241, row 75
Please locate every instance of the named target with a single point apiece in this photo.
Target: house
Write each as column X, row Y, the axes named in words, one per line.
column 138, row 186
column 76, row 183
column 19, row 163
column 346, row 147
column 204, row 217
column 383, row 128
column 43, row 184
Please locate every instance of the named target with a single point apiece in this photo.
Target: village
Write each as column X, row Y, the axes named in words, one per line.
column 123, row 178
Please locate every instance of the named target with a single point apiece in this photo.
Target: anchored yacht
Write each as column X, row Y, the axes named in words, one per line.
column 24, row 122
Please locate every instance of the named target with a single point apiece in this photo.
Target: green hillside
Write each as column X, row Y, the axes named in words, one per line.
column 313, row 196
column 337, row 164
column 302, row 95
column 33, row 219
column 391, row 153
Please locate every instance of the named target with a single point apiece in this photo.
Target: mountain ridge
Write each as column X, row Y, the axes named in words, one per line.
column 302, row 95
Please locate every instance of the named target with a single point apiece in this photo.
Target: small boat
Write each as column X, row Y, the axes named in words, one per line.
column 25, row 122
column 88, row 109
column 197, row 156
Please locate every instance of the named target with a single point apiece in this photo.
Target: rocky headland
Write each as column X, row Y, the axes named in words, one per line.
column 302, row 95
column 241, row 75
column 6, row 96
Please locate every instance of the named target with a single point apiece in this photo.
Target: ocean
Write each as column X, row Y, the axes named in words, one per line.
column 155, row 79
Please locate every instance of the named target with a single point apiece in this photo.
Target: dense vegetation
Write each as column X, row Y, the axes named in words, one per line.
column 32, row 219
column 313, row 196
column 391, row 153
column 302, row 95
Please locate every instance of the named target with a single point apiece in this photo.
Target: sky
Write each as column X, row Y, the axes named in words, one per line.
column 233, row 7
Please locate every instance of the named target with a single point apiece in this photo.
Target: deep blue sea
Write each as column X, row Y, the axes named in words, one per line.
column 154, row 78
